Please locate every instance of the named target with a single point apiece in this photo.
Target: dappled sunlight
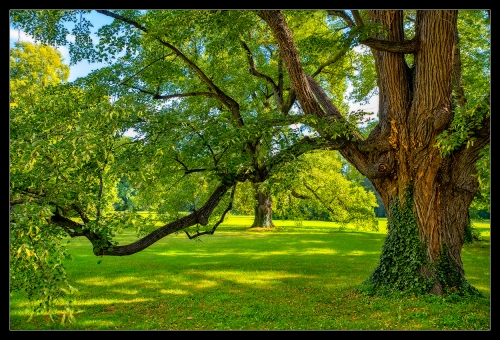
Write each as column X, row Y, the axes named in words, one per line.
column 100, row 323
column 480, row 287
column 96, row 281
column 126, row 291
column 107, row 301
column 174, row 292
column 200, row 284
column 318, row 251
column 257, row 254
column 261, row 278
column 24, row 308
column 360, row 253
column 312, row 241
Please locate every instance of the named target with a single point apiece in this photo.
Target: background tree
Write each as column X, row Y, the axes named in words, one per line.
column 314, row 184
column 61, row 169
column 32, row 67
column 214, row 96
column 126, row 193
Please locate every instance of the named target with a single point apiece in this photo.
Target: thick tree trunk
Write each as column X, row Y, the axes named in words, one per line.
column 416, row 108
column 400, row 157
column 263, row 208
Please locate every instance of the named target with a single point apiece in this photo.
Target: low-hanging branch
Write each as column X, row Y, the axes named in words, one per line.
column 102, row 246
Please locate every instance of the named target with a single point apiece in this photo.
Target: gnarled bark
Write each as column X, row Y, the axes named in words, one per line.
column 415, row 106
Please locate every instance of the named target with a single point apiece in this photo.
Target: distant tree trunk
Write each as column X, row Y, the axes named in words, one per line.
column 263, row 208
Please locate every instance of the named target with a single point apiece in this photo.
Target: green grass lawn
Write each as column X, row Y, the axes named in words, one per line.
column 297, row 277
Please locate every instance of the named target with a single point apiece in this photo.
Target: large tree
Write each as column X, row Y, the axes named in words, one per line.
column 428, row 191
column 218, row 96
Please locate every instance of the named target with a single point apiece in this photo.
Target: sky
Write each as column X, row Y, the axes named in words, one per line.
column 83, row 68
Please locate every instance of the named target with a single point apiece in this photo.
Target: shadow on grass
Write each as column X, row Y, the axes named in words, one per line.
column 265, row 281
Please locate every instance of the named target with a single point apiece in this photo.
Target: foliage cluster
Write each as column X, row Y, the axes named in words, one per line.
column 314, row 183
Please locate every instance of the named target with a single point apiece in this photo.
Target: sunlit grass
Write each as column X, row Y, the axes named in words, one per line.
column 292, row 278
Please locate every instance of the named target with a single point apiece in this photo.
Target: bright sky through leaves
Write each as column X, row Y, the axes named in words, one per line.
column 83, row 68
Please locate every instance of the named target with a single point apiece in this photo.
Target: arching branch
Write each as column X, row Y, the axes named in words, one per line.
column 200, row 216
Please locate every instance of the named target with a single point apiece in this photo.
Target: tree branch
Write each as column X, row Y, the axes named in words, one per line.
column 303, row 145
column 80, row 212
column 343, row 15
column 289, row 53
column 329, row 62
column 186, row 169
column 253, row 70
column 177, row 95
column 400, row 47
column 188, row 94
column 226, row 100
column 357, row 18
column 299, row 196
column 211, row 231
column 143, row 68
column 200, row 216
